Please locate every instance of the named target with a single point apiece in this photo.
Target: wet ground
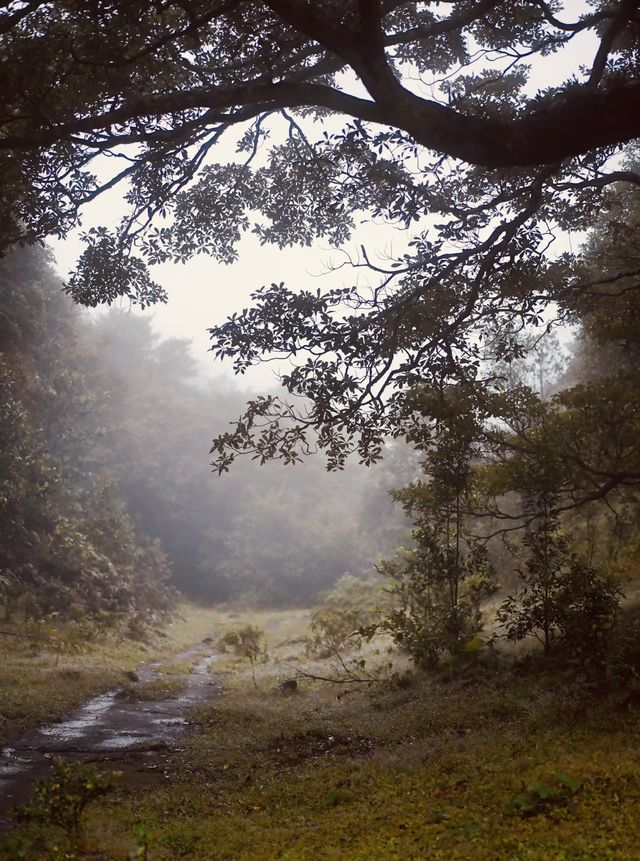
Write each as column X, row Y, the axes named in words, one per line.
column 109, row 729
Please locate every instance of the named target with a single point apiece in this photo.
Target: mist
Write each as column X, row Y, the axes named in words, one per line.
column 122, row 420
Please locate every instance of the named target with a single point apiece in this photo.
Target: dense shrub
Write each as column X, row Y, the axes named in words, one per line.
column 430, row 618
column 563, row 600
column 336, row 625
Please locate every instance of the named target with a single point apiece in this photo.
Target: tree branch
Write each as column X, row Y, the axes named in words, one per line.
column 624, row 14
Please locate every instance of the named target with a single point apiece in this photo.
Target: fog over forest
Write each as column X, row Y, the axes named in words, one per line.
column 120, row 426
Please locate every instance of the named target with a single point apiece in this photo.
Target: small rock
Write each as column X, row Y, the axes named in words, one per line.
column 288, row 687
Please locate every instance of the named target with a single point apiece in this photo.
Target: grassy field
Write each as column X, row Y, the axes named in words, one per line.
column 40, row 684
column 493, row 765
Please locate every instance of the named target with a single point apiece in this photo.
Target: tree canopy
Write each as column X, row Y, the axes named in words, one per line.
column 435, row 117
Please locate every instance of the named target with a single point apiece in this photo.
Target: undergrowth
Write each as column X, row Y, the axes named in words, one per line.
column 519, row 762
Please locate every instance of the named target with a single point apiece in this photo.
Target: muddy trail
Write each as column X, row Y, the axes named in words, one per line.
column 112, row 730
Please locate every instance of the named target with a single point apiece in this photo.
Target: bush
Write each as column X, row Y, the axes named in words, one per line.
column 438, row 599
column 333, row 630
column 564, row 601
column 62, row 798
column 351, row 606
column 247, row 642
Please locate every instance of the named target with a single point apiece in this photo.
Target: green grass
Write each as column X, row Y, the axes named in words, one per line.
column 38, row 685
column 152, row 690
column 177, row 668
column 487, row 767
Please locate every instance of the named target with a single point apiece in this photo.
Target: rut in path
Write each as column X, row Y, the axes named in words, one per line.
column 107, row 729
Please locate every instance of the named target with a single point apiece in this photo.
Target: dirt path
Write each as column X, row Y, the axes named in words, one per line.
column 108, row 729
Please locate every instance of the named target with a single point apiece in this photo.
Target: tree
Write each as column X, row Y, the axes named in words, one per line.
column 562, row 598
column 429, row 122
column 440, row 582
column 580, row 446
column 68, row 546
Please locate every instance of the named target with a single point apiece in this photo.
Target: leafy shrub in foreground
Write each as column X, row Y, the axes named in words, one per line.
column 540, row 797
column 62, row 798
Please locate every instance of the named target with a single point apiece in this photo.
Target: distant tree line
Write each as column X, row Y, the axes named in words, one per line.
column 107, row 500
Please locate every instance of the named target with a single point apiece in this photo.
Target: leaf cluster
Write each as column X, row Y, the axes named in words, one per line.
column 62, row 798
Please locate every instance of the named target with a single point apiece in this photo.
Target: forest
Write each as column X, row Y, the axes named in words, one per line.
column 387, row 606
column 109, row 501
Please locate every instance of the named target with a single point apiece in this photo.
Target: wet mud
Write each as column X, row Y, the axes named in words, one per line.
column 109, row 729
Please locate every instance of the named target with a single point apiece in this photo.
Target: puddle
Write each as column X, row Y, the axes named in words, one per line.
column 121, row 741
column 106, row 729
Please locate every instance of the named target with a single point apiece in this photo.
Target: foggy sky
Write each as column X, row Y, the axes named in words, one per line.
column 203, row 292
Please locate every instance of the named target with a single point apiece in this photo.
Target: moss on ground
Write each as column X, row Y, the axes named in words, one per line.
column 486, row 767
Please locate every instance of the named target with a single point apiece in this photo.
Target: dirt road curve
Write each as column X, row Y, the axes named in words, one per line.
column 108, row 729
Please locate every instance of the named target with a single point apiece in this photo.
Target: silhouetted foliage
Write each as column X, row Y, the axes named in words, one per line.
column 456, row 136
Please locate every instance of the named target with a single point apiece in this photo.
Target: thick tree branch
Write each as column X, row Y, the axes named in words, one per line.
column 271, row 96
column 626, row 11
column 571, row 26
column 575, row 123
column 445, row 25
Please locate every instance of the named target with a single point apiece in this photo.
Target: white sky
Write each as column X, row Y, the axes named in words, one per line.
column 204, row 292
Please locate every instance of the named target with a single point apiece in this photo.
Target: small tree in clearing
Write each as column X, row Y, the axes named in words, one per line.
column 563, row 600
column 440, row 583
column 247, row 642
